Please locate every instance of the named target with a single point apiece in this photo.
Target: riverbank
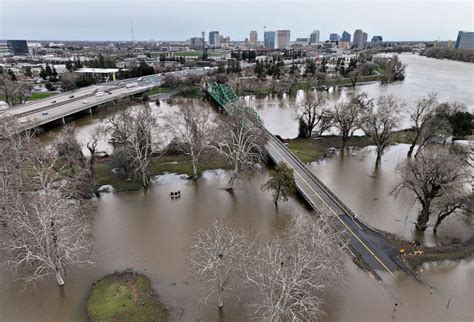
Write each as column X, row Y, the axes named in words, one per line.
column 312, row 149
column 414, row 255
column 179, row 164
column 281, row 86
column 183, row 92
column 126, row 296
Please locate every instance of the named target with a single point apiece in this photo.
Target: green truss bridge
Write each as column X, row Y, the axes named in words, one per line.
column 222, row 94
column 365, row 242
column 225, row 97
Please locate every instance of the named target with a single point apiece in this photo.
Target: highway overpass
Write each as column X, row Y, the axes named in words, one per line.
column 58, row 107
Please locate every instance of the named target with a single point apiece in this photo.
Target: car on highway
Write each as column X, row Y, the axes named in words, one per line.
column 53, row 102
column 44, row 113
column 121, row 83
column 23, row 121
column 140, row 79
column 85, row 102
column 72, row 96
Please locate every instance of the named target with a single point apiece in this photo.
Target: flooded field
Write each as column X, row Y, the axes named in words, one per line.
column 149, row 232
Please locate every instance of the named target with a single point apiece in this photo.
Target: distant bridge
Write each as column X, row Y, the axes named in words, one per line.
column 365, row 241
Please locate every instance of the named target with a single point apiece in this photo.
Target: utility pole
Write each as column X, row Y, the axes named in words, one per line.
column 133, row 33
column 203, row 40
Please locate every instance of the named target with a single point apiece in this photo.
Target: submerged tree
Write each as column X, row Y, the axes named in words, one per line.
column 425, row 122
column 96, row 134
column 69, row 149
column 290, row 273
column 45, row 226
column 192, row 127
column 218, row 258
column 134, row 131
column 394, row 69
column 437, row 179
column 281, row 183
column 241, row 140
column 347, row 116
column 379, row 122
column 314, row 115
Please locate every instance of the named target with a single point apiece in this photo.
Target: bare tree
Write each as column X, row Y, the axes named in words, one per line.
column 44, row 228
column 290, row 273
column 134, row 129
column 425, row 122
column 218, row 258
column 68, row 81
column 192, row 127
column 437, row 179
column 379, row 122
column 15, row 92
column 354, row 75
column 69, row 149
column 96, row 134
column 313, row 115
column 347, row 116
column 241, row 140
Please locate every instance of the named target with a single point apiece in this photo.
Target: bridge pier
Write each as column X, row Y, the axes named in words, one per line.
column 64, row 120
column 90, row 110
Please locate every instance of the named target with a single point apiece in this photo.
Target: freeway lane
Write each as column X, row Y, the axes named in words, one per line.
column 40, row 117
column 364, row 241
column 40, row 112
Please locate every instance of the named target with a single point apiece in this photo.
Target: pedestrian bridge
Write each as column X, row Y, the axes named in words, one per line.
column 365, row 242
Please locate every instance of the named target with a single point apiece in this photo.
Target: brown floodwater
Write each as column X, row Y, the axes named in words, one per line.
column 149, row 232
column 368, row 192
column 452, row 80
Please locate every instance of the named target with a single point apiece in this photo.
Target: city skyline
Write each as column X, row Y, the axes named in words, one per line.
column 84, row 19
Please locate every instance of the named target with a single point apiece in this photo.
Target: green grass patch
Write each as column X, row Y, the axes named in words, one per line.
column 189, row 92
column 158, row 90
column 41, row 95
column 125, row 296
column 309, row 150
column 180, row 164
column 300, row 86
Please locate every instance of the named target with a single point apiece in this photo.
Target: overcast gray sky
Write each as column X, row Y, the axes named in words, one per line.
column 179, row 20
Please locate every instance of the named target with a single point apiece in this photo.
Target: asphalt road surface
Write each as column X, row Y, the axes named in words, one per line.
column 363, row 240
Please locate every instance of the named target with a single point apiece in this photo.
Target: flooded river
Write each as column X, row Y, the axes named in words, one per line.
column 149, row 232
column 452, row 80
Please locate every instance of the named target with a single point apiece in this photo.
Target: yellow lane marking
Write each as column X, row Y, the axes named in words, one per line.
column 337, row 216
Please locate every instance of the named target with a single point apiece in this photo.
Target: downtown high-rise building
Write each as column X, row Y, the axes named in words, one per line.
column 214, row 38
column 333, row 37
column 269, row 39
column 376, row 41
column 364, row 39
column 195, row 42
column 346, row 37
column 358, row 41
column 465, row 40
column 253, row 38
column 314, row 37
column 283, row 39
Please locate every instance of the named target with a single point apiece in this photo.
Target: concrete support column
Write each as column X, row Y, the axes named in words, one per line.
column 90, row 110
column 64, row 121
